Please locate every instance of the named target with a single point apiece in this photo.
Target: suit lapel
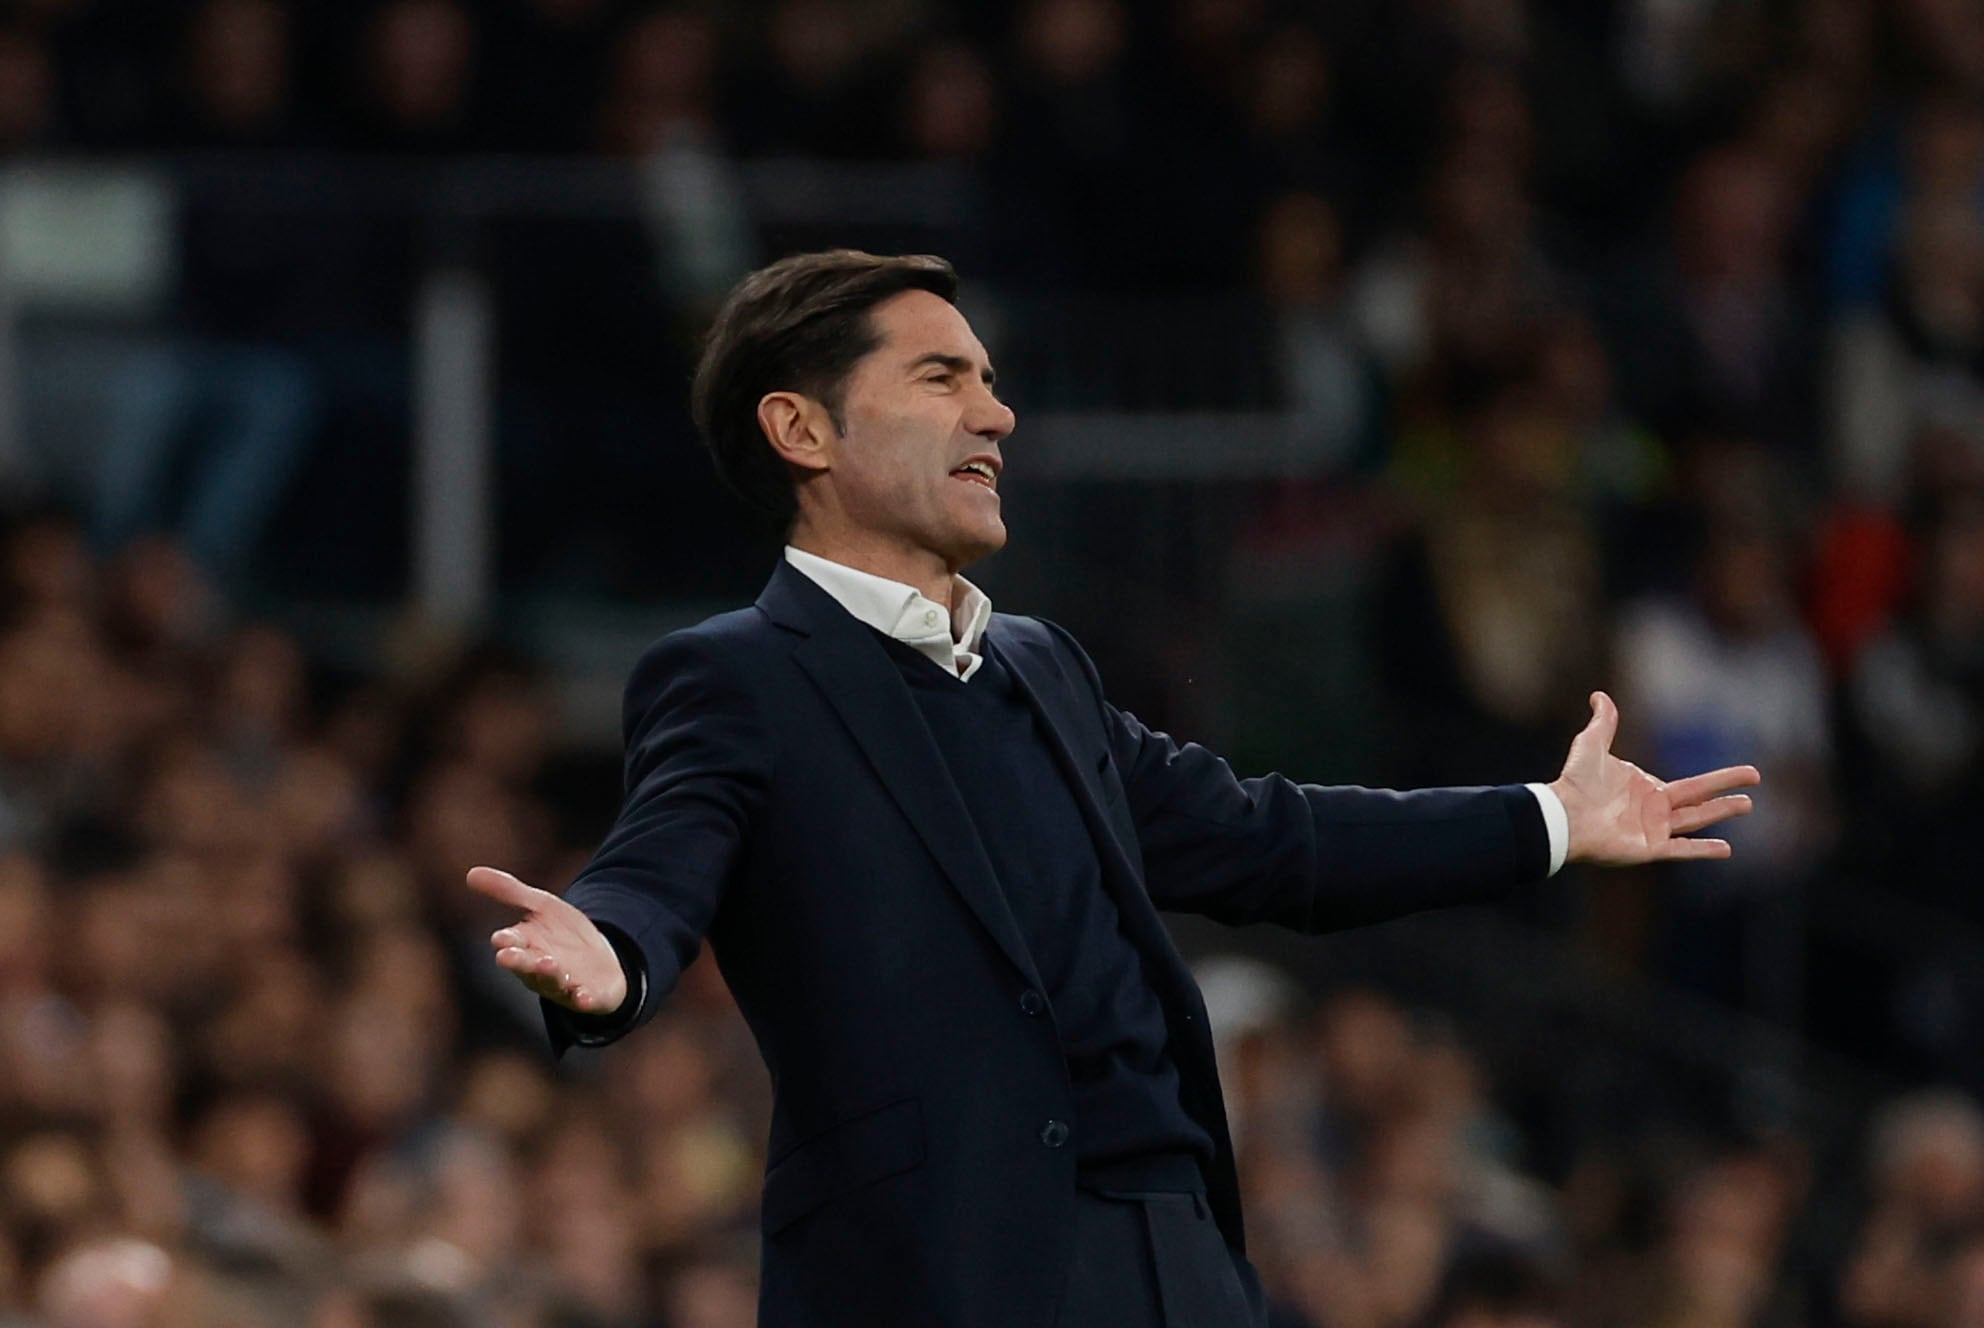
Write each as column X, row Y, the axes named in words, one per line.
column 1064, row 717
column 861, row 683
column 1039, row 679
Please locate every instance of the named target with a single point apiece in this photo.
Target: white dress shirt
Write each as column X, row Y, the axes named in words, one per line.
column 949, row 634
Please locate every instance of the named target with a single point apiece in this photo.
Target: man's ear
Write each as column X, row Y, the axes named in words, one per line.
column 799, row 430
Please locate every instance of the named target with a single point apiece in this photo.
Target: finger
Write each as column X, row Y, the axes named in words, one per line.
column 1687, row 820
column 587, row 1001
column 526, row 963
column 517, row 960
column 548, row 990
column 1679, row 850
column 505, row 888
column 507, row 937
column 1604, row 725
column 1696, row 788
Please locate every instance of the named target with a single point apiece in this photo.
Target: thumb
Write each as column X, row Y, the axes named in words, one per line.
column 504, row 888
column 1604, row 725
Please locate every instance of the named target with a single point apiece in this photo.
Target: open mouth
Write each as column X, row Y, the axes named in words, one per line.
column 977, row 472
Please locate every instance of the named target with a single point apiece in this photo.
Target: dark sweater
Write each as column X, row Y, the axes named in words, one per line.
column 1128, row 1118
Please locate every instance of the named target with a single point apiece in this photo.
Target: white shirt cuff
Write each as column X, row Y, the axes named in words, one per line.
column 1556, row 821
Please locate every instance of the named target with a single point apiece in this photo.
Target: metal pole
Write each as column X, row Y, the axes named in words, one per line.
column 454, row 449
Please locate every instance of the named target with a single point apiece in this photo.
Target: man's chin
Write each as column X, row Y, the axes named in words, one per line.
column 980, row 544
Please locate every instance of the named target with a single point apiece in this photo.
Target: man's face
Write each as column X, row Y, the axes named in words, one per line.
column 918, row 466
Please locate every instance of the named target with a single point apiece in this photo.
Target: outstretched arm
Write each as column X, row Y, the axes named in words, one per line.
column 1317, row 858
column 698, row 761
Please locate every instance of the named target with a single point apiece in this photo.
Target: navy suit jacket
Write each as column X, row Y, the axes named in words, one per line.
column 785, row 800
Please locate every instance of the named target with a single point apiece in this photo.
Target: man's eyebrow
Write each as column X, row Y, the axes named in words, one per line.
column 955, row 363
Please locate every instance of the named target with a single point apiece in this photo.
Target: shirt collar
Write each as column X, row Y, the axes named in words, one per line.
column 948, row 634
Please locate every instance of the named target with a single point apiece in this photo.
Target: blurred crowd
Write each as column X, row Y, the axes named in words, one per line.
column 256, row 1070
column 1635, row 343
column 255, row 1066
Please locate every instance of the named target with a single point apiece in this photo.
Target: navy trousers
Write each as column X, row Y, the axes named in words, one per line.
column 1150, row 1260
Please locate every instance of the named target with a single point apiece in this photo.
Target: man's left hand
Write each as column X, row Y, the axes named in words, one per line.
column 1620, row 815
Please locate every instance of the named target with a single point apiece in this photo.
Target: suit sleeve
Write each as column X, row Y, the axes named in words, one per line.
column 1311, row 857
column 698, row 762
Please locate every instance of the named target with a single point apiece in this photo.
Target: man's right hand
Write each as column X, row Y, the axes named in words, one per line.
column 553, row 949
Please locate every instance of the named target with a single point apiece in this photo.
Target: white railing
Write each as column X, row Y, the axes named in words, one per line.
column 454, row 492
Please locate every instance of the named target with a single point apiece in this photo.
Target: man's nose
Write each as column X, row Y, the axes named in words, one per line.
column 992, row 418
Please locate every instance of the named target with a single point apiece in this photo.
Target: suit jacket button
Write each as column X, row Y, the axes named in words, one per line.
column 1054, row 1133
column 1032, row 1002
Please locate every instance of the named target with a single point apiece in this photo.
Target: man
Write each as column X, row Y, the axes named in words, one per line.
column 929, row 855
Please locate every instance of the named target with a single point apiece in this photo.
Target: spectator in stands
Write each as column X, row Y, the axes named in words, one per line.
column 1490, row 617
column 950, row 104
column 695, row 1159
column 244, row 1181
column 1943, row 40
column 660, row 111
column 1917, row 359
column 415, row 80
column 1288, row 111
column 1623, row 468
column 1936, row 153
column 1926, row 1158
column 1801, row 122
column 1926, row 1169
column 1721, row 337
column 1074, row 122
column 27, row 93
column 812, row 88
column 1448, row 309
column 584, row 1221
column 114, row 1283
column 664, row 79
column 1730, row 666
column 1674, row 59
column 1916, row 699
column 1328, row 387
column 1719, row 1265
column 590, row 304
column 237, row 84
column 717, row 1292
column 206, row 429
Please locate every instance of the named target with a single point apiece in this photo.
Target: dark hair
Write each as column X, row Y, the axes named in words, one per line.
column 799, row 325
